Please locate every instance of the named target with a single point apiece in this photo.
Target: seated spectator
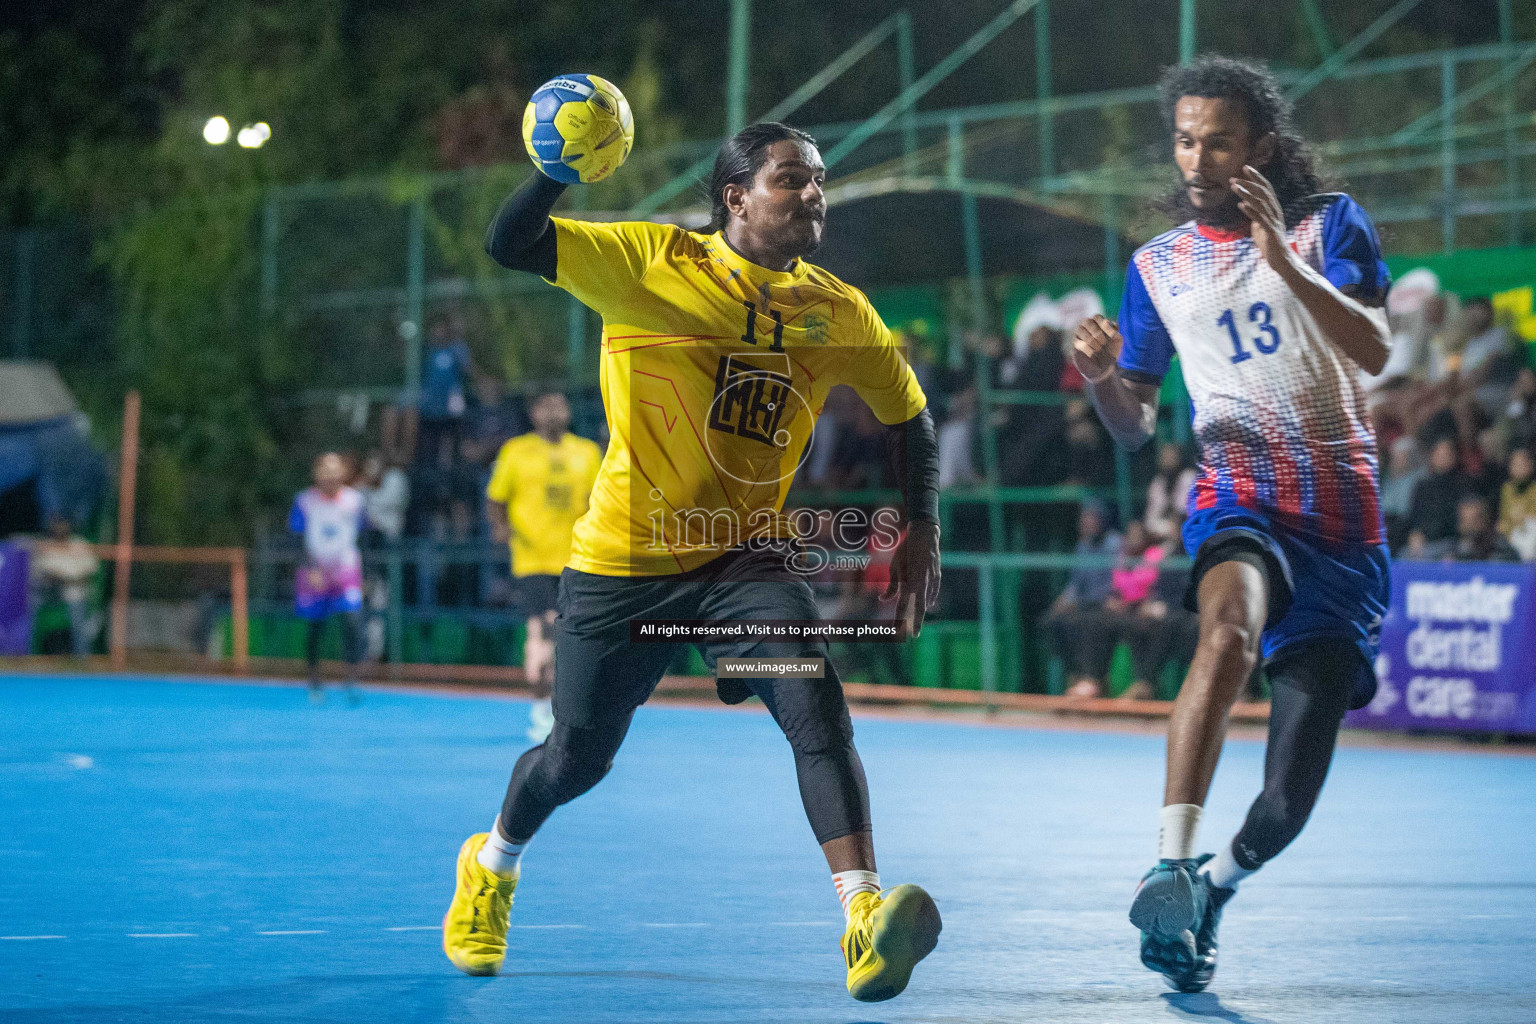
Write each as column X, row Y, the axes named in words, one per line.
column 1090, row 453
column 1493, row 466
column 1432, row 510
column 1168, row 491
column 1476, row 538
column 1080, row 627
column 859, row 455
column 1517, row 505
column 1490, row 361
column 386, row 492
column 919, row 350
column 957, row 468
column 1159, row 629
column 63, row 567
column 1034, row 452
column 1518, row 421
column 1404, row 471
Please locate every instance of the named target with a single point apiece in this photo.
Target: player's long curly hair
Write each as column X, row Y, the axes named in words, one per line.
column 740, row 158
column 1293, row 170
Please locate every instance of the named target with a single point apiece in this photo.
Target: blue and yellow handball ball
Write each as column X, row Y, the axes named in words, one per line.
column 578, row 128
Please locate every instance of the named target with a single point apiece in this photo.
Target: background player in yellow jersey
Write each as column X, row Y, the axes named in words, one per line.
column 539, row 487
column 718, row 351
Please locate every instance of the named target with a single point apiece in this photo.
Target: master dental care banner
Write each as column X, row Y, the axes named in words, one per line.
column 1458, row 650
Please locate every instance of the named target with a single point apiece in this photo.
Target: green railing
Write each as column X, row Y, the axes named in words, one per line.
column 412, row 570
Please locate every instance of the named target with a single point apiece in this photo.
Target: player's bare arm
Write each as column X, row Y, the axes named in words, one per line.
column 1127, row 407
column 1361, row 334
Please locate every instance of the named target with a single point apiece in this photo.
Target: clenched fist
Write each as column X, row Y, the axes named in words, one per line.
column 1095, row 347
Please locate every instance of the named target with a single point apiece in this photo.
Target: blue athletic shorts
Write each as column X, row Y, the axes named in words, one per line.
column 1319, row 590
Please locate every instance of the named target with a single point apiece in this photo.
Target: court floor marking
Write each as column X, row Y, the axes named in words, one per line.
column 297, row 931
column 693, row 924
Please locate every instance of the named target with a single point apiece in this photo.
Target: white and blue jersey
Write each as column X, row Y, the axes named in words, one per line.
column 1287, row 450
column 1279, row 413
column 331, row 578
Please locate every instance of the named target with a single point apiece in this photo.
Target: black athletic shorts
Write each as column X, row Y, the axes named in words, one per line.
column 600, row 674
column 535, row 595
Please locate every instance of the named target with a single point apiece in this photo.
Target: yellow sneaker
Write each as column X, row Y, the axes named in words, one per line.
column 887, row 935
column 475, row 927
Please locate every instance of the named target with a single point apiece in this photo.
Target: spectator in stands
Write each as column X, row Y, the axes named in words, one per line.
column 444, row 398
column 836, row 411
column 919, row 349
column 1517, row 504
column 1432, row 510
column 1168, row 491
column 1492, row 465
column 1490, row 361
column 63, row 566
column 493, row 419
column 1080, row 627
column 859, row 456
column 1404, row 471
column 1518, row 421
column 1034, row 452
column 957, row 467
column 1090, row 455
column 1159, row 629
column 386, row 492
column 1476, row 539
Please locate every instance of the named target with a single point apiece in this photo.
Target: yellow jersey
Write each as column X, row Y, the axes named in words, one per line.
column 713, row 372
column 546, row 488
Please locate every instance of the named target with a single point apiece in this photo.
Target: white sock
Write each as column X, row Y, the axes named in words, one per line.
column 500, row 855
column 848, row 883
column 1224, row 871
column 1177, row 827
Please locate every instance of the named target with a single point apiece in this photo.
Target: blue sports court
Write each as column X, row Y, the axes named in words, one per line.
column 178, row 851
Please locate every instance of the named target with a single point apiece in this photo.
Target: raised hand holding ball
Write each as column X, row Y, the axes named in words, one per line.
column 578, row 128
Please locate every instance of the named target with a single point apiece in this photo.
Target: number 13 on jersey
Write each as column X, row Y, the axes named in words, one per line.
column 1267, row 340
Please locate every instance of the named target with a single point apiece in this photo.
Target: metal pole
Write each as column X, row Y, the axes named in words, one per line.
column 736, row 75
column 788, row 105
column 1186, row 31
column 970, row 226
column 932, row 77
column 396, row 613
column 128, row 478
column 1111, row 278
column 1343, row 56
column 269, row 232
column 411, row 329
column 1448, row 154
column 1319, row 28
column 988, row 637
column 26, row 251
column 907, row 69
column 1511, row 139
column 240, row 611
column 1043, row 89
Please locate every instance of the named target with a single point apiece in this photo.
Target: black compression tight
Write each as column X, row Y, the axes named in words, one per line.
column 1310, row 693
column 831, row 776
column 351, row 640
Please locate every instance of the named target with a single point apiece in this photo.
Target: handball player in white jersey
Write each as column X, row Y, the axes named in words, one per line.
column 1271, row 294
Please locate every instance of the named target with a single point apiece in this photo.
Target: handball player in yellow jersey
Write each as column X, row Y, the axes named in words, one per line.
column 718, row 350
column 539, row 487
